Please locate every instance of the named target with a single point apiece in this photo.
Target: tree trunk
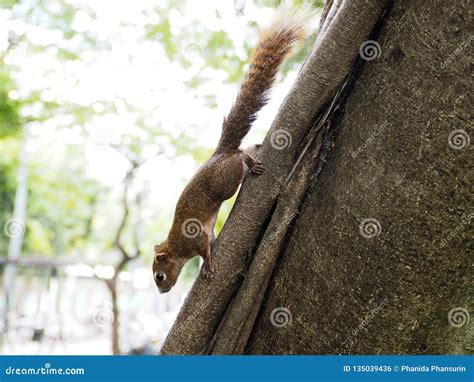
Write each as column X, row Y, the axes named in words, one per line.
column 354, row 241
column 116, row 318
column 126, row 255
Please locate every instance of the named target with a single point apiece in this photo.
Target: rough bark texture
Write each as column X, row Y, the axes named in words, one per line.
column 391, row 293
column 336, row 287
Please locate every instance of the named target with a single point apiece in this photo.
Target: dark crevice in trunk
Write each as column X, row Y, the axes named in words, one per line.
column 334, row 119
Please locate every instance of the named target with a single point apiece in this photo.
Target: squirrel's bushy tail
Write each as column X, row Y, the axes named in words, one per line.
column 275, row 44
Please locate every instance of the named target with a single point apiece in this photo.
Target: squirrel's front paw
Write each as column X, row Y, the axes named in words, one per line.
column 208, row 272
column 257, row 168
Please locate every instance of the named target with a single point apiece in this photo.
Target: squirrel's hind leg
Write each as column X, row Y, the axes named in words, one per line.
column 205, row 253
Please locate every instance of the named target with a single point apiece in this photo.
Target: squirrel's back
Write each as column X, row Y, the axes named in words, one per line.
column 275, row 44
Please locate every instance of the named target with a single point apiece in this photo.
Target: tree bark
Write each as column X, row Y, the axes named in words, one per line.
column 390, row 293
column 353, row 240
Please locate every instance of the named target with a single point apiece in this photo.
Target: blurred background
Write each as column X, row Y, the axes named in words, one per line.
column 107, row 108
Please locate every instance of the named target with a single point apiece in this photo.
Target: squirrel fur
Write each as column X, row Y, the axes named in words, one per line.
column 192, row 230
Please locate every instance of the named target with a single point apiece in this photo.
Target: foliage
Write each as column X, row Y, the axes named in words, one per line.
column 9, row 128
column 71, row 212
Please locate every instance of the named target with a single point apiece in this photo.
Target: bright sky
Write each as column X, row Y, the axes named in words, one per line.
column 137, row 71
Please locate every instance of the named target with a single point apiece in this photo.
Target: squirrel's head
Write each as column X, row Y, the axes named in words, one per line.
column 166, row 268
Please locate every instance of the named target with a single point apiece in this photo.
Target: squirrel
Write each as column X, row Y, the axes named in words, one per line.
column 192, row 230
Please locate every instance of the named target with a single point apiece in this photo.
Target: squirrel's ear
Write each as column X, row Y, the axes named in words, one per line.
column 161, row 257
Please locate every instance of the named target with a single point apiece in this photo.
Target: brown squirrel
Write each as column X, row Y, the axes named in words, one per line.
column 192, row 231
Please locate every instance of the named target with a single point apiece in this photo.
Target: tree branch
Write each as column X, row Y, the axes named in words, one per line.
column 129, row 177
column 126, row 211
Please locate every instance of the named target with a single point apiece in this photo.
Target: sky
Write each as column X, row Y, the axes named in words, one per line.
column 148, row 81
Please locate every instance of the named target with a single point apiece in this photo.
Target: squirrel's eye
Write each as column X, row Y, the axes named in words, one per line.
column 160, row 276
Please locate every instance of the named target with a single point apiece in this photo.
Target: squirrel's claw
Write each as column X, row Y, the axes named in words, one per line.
column 208, row 272
column 257, row 168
